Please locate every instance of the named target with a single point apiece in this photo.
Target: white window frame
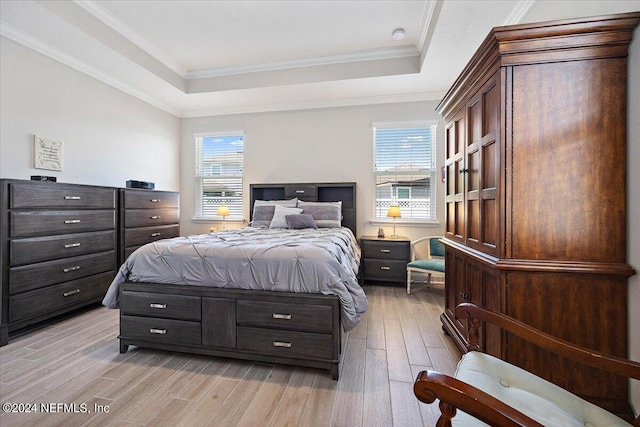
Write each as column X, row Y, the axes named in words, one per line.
column 377, row 219
column 236, row 209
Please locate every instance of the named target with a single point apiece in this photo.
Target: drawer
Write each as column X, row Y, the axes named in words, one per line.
column 302, row 192
column 390, row 270
column 150, row 217
column 386, row 250
column 51, row 298
column 53, row 196
column 165, row 331
column 143, row 235
column 285, row 343
column 160, row 305
column 38, row 249
column 35, row 223
column 303, row 317
column 147, row 199
column 34, row 276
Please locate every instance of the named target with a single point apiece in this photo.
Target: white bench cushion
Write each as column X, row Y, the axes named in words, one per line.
column 535, row 397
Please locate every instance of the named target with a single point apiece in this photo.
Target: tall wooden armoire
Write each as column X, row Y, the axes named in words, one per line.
column 535, row 194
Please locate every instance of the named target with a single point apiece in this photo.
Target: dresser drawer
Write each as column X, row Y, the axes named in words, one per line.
column 313, row 318
column 284, row 343
column 53, row 196
column 147, row 199
column 302, row 192
column 390, row 270
column 161, row 305
column 166, row 331
column 36, row 223
column 34, row 276
column 38, row 249
column 386, row 250
column 150, row 217
column 51, row 298
column 143, row 235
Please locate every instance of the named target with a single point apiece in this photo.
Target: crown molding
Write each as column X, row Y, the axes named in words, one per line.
column 30, row 42
column 519, row 11
column 125, row 31
column 429, row 20
column 310, row 105
column 364, row 55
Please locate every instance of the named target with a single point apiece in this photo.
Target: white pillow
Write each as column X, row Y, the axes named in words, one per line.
column 279, row 216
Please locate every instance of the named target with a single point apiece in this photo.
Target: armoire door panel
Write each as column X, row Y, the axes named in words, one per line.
column 578, row 161
column 490, row 159
column 473, row 170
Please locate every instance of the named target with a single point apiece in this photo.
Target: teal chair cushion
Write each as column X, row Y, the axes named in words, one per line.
column 428, row 264
column 436, row 248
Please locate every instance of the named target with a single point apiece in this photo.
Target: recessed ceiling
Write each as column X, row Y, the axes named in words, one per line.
column 195, row 58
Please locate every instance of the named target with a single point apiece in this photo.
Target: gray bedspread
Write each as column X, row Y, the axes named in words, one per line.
column 324, row 261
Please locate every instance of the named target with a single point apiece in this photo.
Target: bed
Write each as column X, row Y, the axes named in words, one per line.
column 280, row 295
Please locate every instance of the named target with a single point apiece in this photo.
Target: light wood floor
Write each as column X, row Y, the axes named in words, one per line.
column 77, row 362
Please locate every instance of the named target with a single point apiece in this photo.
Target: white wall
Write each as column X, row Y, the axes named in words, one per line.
column 322, row 145
column 109, row 136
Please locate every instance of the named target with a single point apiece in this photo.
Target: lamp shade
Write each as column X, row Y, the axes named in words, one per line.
column 223, row 211
column 394, row 212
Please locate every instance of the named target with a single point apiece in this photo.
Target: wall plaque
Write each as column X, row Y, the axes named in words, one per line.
column 48, row 153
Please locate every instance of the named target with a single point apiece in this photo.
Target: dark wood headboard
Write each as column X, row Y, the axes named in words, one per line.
column 311, row 192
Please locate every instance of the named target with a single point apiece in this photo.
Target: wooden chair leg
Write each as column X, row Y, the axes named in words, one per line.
column 408, row 282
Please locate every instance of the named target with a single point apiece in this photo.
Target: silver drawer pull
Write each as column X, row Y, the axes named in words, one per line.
column 155, row 234
column 69, row 269
column 155, row 217
column 384, row 267
column 72, row 197
column 73, row 292
column 153, row 305
column 71, row 221
column 281, row 316
column 300, row 191
column 71, row 245
column 157, row 331
column 282, row 344
column 155, row 200
column 385, row 251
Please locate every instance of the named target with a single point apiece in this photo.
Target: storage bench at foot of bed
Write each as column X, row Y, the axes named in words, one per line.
column 274, row 327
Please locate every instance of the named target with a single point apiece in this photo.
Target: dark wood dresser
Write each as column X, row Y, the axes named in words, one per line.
column 536, row 194
column 146, row 216
column 385, row 259
column 57, row 249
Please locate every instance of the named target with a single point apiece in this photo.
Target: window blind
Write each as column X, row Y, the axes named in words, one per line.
column 405, row 171
column 219, row 172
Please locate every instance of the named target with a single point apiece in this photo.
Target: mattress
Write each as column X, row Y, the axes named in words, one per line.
column 324, row 261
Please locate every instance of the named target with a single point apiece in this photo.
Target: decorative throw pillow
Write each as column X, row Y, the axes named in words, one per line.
column 279, row 214
column 300, row 221
column 263, row 210
column 325, row 214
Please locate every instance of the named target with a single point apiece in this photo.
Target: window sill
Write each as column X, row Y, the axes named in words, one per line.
column 207, row 220
column 405, row 223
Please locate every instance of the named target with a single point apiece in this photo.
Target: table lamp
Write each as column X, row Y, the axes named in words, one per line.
column 223, row 211
column 394, row 212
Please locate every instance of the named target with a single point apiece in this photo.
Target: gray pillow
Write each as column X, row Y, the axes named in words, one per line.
column 279, row 214
column 300, row 221
column 325, row 214
column 263, row 210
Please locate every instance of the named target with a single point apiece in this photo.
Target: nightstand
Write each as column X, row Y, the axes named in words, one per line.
column 385, row 259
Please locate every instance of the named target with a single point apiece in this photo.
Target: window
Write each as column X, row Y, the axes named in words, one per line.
column 405, row 170
column 219, row 165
